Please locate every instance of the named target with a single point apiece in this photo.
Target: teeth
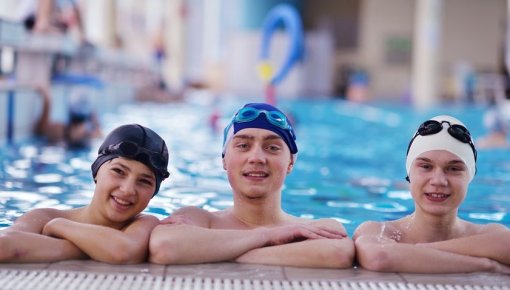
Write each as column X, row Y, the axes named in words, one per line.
column 438, row 195
column 257, row 174
column 120, row 201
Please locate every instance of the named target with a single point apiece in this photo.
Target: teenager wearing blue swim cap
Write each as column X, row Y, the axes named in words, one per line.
column 130, row 166
column 259, row 151
column 441, row 162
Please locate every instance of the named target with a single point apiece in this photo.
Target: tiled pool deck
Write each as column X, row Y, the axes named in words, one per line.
column 229, row 276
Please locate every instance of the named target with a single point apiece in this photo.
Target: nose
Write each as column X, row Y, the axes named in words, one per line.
column 257, row 155
column 439, row 178
column 128, row 186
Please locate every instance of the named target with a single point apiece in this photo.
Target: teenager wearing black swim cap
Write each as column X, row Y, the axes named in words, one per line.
column 130, row 166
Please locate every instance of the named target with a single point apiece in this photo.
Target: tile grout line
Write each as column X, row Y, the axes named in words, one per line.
column 402, row 277
column 284, row 273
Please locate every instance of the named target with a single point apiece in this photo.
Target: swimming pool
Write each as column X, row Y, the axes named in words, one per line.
column 351, row 163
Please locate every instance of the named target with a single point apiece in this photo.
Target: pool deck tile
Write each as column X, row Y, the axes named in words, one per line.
column 485, row 279
column 98, row 267
column 235, row 271
column 293, row 273
column 227, row 271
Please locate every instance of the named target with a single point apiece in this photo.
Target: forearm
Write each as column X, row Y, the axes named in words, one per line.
column 322, row 253
column 23, row 247
column 102, row 243
column 410, row 258
column 185, row 244
column 495, row 246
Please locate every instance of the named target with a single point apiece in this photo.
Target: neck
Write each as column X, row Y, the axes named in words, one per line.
column 90, row 216
column 258, row 212
column 428, row 228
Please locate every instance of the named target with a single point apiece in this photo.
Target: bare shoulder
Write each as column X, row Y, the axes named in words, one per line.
column 193, row 215
column 36, row 219
column 146, row 219
column 388, row 229
column 142, row 222
column 476, row 229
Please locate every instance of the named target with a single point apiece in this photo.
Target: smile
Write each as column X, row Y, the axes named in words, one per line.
column 434, row 196
column 256, row 174
column 121, row 203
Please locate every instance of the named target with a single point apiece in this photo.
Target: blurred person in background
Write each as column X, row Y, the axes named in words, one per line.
column 77, row 129
column 51, row 17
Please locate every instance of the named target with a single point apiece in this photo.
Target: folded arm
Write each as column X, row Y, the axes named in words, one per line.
column 335, row 252
column 188, row 244
column 321, row 253
column 105, row 244
column 26, row 247
column 494, row 245
column 377, row 252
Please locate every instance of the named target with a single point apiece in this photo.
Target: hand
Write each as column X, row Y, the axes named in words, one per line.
column 498, row 267
column 299, row 232
column 176, row 220
column 50, row 228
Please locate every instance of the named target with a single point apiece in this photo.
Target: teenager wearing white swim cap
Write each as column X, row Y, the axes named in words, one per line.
column 441, row 162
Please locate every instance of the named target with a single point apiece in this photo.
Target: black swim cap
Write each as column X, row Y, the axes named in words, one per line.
column 138, row 143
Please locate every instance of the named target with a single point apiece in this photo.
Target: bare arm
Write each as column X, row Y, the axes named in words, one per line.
column 24, row 243
column 24, row 247
column 493, row 244
column 127, row 246
column 319, row 253
column 193, row 242
column 380, row 253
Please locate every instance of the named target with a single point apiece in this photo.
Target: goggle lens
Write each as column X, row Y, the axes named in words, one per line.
column 131, row 150
column 457, row 131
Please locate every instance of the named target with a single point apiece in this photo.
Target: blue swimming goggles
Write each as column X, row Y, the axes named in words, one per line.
column 132, row 150
column 248, row 114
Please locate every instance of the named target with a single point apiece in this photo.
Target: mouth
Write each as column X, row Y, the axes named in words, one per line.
column 121, row 203
column 436, row 196
column 256, row 175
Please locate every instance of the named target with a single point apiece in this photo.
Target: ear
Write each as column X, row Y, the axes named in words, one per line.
column 224, row 164
column 291, row 165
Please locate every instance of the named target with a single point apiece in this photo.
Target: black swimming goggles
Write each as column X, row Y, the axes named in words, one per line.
column 457, row 131
column 132, row 150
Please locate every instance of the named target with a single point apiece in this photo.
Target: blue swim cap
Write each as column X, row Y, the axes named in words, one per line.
column 261, row 116
column 138, row 143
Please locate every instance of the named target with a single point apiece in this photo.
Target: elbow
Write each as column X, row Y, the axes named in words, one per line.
column 338, row 254
column 9, row 252
column 127, row 254
column 373, row 257
column 161, row 248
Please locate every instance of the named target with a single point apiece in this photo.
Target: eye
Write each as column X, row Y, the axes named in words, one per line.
column 242, row 146
column 273, row 148
column 425, row 165
column 147, row 181
column 456, row 168
column 118, row 170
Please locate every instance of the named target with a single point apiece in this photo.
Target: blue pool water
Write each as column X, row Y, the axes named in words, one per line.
column 350, row 164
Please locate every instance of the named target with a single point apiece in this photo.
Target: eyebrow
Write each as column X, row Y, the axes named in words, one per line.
column 455, row 161
column 251, row 137
column 129, row 169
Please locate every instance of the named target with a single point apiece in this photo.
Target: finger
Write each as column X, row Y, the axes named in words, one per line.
column 331, row 234
column 168, row 220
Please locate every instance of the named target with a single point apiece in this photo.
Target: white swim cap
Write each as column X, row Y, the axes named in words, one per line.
column 442, row 140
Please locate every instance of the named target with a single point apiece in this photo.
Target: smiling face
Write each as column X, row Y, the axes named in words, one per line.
column 439, row 181
column 124, row 188
column 257, row 162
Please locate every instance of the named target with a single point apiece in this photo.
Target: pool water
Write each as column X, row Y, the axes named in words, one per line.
column 351, row 163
